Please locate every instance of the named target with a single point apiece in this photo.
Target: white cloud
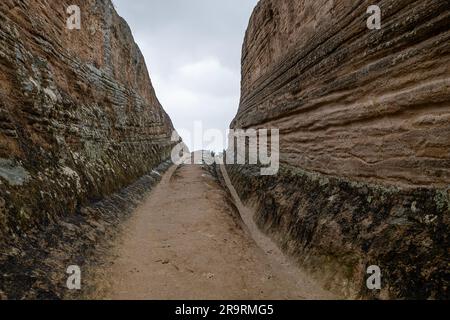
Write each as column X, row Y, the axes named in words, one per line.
column 192, row 49
column 209, row 76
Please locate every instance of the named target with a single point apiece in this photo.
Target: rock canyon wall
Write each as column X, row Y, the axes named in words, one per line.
column 79, row 121
column 364, row 119
column 79, row 118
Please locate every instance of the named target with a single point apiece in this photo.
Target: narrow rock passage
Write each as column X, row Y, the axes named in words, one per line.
column 183, row 243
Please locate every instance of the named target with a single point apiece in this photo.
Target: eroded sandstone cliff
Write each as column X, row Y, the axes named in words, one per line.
column 364, row 119
column 79, row 120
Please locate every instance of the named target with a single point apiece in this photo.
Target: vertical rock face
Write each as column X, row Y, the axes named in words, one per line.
column 364, row 119
column 366, row 104
column 79, row 118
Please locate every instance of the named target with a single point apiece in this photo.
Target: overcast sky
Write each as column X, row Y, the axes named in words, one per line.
column 193, row 53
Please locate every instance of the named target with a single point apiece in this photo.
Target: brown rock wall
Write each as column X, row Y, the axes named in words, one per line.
column 79, row 118
column 364, row 119
column 371, row 105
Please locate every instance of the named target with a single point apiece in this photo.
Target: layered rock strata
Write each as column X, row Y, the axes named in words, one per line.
column 364, row 119
column 79, row 118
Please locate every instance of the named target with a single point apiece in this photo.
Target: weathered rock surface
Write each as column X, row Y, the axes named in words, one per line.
column 336, row 229
column 34, row 265
column 79, row 121
column 79, row 118
column 364, row 119
column 365, row 104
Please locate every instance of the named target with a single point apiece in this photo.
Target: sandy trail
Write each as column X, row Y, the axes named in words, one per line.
column 183, row 243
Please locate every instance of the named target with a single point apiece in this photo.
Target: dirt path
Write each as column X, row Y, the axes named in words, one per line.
column 183, row 243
